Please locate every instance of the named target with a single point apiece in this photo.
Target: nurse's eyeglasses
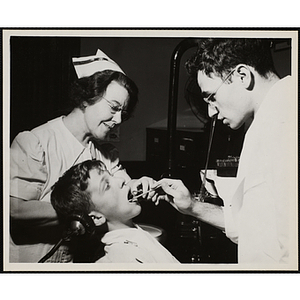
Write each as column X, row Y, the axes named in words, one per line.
column 115, row 108
column 210, row 97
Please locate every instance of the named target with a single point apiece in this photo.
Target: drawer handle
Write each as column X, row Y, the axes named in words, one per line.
column 188, row 139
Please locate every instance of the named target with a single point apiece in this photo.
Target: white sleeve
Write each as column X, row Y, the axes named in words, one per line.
column 28, row 172
column 231, row 191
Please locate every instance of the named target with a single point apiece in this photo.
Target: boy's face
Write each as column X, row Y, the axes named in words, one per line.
column 110, row 197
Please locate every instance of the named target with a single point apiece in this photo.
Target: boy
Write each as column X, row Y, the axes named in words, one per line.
column 89, row 189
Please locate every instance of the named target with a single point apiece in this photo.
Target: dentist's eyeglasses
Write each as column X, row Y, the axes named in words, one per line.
column 210, row 97
column 115, row 108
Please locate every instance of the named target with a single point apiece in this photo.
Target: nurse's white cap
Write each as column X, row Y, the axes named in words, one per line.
column 89, row 65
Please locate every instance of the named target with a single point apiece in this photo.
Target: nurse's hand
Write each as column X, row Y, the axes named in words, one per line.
column 176, row 194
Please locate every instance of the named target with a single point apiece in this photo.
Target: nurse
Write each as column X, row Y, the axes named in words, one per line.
column 103, row 97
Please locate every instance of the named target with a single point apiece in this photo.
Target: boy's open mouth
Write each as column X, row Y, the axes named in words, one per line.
column 131, row 198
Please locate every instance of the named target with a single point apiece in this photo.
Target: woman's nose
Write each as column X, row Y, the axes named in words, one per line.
column 212, row 110
column 118, row 117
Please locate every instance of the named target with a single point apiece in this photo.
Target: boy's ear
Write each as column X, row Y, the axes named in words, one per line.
column 97, row 217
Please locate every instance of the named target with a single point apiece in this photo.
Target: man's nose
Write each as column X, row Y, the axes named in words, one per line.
column 212, row 110
column 118, row 117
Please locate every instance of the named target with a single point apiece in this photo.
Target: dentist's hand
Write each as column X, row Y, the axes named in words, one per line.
column 179, row 197
column 176, row 194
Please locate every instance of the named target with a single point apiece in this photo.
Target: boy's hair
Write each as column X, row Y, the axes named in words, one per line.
column 220, row 56
column 69, row 195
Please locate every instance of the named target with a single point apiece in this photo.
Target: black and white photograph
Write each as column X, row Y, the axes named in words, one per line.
column 130, row 150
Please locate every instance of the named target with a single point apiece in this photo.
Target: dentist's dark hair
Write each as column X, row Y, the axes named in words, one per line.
column 220, row 56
